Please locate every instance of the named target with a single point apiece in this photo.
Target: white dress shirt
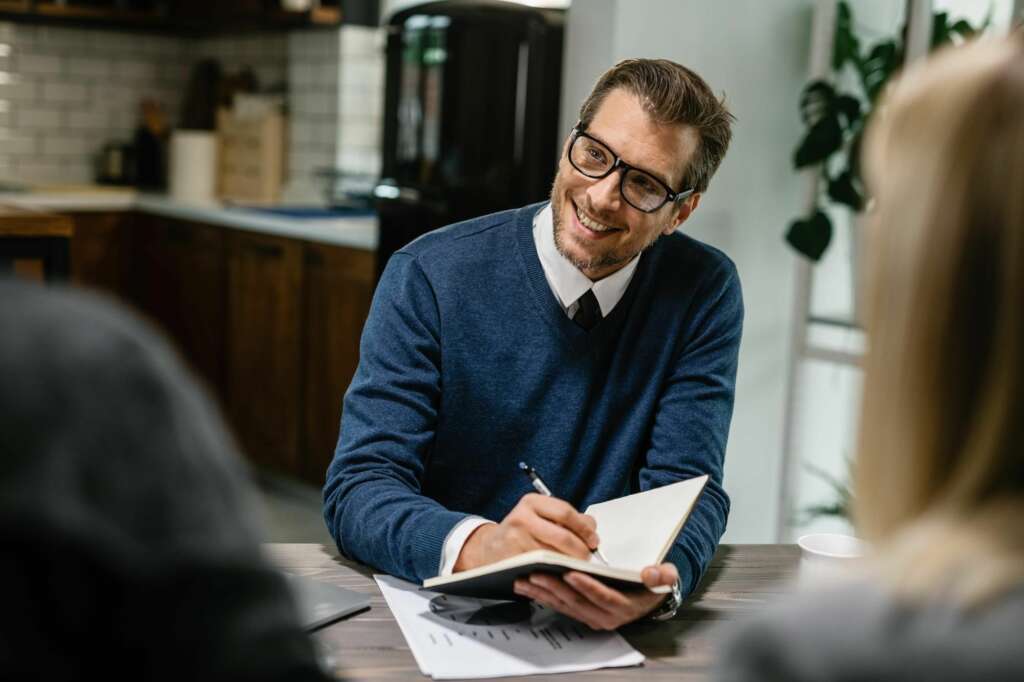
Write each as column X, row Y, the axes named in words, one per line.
column 567, row 284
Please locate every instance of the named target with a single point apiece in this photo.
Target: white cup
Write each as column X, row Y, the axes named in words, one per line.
column 828, row 557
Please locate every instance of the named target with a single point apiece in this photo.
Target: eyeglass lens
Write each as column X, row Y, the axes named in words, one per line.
column 640, row 189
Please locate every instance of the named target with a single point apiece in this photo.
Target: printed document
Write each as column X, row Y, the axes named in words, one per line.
column 463, row 637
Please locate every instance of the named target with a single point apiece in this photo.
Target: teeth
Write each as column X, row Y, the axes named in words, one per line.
column 592, row 224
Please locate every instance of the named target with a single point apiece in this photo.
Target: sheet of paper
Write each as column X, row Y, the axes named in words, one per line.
column 458, row 637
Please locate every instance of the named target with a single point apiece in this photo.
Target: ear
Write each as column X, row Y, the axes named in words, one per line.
column 688, row 206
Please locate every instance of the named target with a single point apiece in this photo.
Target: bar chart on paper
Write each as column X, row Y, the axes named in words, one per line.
column 462, row 637
column 508, row 623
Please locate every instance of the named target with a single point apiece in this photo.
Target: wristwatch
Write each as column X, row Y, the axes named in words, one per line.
column 667, row 608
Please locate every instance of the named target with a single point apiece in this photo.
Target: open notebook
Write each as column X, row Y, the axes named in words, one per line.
column 636, row 531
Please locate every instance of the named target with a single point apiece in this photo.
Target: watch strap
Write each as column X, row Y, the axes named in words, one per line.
column 670, row 605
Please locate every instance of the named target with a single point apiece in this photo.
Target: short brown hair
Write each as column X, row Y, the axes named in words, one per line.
column 672, row 95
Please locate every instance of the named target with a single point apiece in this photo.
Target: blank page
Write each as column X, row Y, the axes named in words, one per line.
column 637, row 530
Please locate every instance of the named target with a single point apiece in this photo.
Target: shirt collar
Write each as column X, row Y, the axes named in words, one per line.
column 565, row 279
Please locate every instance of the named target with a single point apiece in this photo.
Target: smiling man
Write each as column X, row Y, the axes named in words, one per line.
column 584, row 335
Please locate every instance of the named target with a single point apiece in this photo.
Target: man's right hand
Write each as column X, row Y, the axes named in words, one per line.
column 536, row 522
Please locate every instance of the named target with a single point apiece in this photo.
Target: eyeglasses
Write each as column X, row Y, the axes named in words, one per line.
column 640, row 189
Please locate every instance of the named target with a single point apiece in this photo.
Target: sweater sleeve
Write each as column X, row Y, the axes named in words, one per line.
column 691, row 424
column 373, row 501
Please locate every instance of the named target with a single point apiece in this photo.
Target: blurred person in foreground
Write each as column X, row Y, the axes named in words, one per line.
column 940, row 470
column 129, row 544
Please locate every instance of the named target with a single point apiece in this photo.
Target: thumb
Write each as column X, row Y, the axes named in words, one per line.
column 656, row 576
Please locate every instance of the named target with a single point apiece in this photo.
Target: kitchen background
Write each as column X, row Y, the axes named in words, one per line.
column 65, row 92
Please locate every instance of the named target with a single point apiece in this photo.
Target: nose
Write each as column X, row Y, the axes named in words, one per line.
column 604, row 193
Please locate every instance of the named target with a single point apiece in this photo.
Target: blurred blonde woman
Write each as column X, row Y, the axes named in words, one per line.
column 940, row 467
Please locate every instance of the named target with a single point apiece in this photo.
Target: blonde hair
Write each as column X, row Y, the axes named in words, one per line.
column 939, row 477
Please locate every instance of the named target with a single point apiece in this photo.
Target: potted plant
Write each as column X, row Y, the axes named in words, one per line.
column 835, row 120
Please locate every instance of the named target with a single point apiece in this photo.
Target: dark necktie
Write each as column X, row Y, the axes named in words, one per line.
column 588, row 313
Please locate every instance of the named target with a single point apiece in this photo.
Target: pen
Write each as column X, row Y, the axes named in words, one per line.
column 539, row 486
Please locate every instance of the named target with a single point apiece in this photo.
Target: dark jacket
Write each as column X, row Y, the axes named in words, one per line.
column 130, row 542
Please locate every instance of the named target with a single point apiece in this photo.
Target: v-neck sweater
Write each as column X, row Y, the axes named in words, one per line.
column 468, row 365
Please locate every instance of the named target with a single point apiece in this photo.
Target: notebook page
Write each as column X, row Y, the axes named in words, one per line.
column 636, row 530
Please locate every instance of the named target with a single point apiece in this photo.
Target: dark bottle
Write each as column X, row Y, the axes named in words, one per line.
column 150, row 147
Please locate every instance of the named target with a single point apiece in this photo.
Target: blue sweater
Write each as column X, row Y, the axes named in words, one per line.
column 468, row 365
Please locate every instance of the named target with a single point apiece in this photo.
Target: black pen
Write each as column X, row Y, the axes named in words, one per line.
column 541, row 488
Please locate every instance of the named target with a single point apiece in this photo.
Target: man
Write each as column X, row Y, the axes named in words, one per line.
column 583, row 336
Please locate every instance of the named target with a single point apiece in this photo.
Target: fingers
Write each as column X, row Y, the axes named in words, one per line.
column 657, row 576
column 580, row 596
column 561, row 512
column 554, row 523
column 555, row 594
column 598, row 593
column 590, row 601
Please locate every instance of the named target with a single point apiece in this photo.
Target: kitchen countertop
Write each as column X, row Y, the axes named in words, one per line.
column 355, row 232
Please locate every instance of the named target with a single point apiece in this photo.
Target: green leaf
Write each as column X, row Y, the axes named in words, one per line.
column 853, row 156
column 810, row 236
column 845, row 44
column 816, row 101
column 848, row 107
column 940, row 30
column 963, row 29
column 842, row 505
column 818, row 510
column 842, row 190
column 821, row 141
column 880, row 64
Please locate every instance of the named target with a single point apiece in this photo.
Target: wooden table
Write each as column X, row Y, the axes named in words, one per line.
column 369, row 645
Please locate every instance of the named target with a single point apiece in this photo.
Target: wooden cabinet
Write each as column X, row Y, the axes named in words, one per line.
column 171, row 271
column 338, row 290
column 295, row 315
column 270, row 324
column 180, row 282
column 101, row 252
column 264, row 344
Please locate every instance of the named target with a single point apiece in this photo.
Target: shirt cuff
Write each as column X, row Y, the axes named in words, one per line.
column 456, row 539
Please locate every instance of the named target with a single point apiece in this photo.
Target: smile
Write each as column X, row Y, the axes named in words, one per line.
column 592, row 225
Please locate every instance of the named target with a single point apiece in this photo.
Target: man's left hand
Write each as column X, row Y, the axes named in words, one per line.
column 590, row 601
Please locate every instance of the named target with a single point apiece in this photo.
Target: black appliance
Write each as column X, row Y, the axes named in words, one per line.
column 116, row 164
column 470, row 114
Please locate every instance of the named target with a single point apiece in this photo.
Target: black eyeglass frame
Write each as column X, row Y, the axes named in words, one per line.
column 670, row 195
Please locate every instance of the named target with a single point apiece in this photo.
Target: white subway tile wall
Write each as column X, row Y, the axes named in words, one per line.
column 328, row 126
column 361, row 99
column 65, row 92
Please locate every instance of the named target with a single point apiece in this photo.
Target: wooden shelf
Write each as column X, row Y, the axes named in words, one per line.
column 92, row 14
column 15, row 7
column 318, row 16
column 193, row 18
